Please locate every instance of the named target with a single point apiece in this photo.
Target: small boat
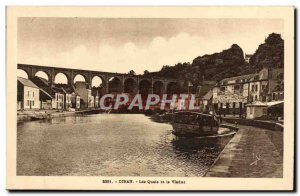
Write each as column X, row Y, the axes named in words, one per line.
column 192, row 124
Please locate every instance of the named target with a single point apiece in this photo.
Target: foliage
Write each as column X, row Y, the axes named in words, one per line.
column 228, row 63
column 131, row 72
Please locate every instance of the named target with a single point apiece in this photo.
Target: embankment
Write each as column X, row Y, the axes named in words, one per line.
column 252, row 152
column 256, row 150
column 256, row 123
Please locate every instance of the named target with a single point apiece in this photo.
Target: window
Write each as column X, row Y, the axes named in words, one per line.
column 28, row 94
column 27, row 102
column 255, row 97
column 252, row 88
column 256, row 87
column 236, row 88
column 241, row 89
column 222, row 88
column 281, row 97
column 32, row 94
column 276, row 97
column 32, row 103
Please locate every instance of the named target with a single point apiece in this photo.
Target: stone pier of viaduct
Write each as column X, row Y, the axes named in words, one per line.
column 127, row 82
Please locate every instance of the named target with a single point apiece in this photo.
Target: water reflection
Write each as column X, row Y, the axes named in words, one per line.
column 111, row 145
column 193, row 145
column 65, row 120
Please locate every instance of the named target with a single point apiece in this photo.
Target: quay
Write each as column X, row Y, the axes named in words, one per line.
column 46, row 114
column 252, row 152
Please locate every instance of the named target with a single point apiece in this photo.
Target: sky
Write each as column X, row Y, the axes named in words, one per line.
column 121, row 44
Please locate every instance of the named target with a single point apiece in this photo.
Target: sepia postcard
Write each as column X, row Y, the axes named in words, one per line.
column 150, row 98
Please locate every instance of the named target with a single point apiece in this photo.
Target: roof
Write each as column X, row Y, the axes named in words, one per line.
column 68, row 89
column 95, row 92
column 266, row 104
column 205, row 88
column 81, row 84
column 27, row 82
column 49, row 90
column 43, row 84
column 248, row 76
column 195, row 113
column 209, row 82
column 257, row 104
column 272, row 103
column 208, row 95
column 47, row 94
column 42, row 81
column 58, row 90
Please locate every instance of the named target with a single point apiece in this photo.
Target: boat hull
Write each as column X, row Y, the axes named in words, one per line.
column 194, row 124
column 193, row 130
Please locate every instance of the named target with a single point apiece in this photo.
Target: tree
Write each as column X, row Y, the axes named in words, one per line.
column 131, row 72
column 146, row 72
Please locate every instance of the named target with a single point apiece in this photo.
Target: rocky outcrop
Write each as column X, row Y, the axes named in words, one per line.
column 221, row 65
column 228, row 63
column 269, row 54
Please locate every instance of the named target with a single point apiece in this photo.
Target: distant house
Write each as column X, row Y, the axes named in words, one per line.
column 258, row 87
column 91, row 102
column 68, row 97
column 230, row 95
column 67, row 90
column 95, row 93
column 83, row 89
column 256, row 109
column 60, row 98
column 27, row 94
column 276, row 87
column 247, row 57
column 203, row 91
column 206, row 102
column 49, row 94
column 75, row 100
column 46, row 100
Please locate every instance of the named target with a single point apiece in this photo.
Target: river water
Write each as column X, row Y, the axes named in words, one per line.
column 111, row 145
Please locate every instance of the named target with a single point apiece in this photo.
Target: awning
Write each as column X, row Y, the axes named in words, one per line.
column 273, row 103
column 257, row 104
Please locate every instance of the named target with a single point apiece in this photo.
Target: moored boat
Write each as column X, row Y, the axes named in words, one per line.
column 192, row 124
column 37, row 117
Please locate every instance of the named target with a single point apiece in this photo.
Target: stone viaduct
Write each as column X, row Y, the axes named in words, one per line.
column 127, row 82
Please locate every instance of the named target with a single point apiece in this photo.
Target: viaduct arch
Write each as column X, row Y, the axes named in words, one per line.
column 131, row 84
